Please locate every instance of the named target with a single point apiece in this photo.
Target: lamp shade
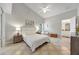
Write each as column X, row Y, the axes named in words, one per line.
column 18, row 28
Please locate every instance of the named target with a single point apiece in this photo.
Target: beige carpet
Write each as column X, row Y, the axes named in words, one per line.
column 45, row 49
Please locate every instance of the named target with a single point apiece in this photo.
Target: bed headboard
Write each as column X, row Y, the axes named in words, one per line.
column 28, row 28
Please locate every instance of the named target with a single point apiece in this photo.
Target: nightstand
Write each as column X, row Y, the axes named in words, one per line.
column 17, row 38
column 38, row 32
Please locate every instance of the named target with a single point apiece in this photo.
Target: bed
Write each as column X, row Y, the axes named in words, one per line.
column 35, row 40
column 32, row 39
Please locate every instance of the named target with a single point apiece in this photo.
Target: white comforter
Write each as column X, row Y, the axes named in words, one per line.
column 35, row 40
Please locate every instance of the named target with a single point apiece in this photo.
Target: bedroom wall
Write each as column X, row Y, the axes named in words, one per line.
column 9, row 32
column 20, row 13
column 73, row 26
column 54, row 23
column 7, row 7
column 78, row 17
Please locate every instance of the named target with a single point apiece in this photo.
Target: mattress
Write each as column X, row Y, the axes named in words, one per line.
column 35, row 40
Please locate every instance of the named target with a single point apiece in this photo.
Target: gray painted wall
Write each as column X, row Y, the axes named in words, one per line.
column 54, row 23
column 20, row 13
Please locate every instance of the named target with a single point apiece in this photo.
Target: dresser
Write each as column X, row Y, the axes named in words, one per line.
column 53, row 35
column 75, row 45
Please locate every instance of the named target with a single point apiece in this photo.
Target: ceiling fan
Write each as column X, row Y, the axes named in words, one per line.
column 45, row 9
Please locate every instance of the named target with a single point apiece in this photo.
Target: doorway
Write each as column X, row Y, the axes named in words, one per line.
column 65, row 29
column 68, row 29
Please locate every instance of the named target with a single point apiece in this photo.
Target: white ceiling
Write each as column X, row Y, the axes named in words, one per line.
column 53, row 8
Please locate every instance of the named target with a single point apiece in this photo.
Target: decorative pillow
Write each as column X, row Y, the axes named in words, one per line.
column 29, row 32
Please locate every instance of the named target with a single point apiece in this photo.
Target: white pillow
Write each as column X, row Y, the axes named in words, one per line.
column 28, row 30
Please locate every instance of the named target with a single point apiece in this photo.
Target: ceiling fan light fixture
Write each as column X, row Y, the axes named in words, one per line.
column 44, row 11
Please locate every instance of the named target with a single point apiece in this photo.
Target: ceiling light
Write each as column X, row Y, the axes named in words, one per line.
column 45, row 9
